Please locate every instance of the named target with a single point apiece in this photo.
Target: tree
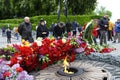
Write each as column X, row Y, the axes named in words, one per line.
column 5, row 8
column 21, row 8
column 102, row 11
column 81, row 6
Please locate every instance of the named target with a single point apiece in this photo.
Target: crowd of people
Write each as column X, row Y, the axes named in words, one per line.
column 56, row 29
column 104, row 30
column 107, row 30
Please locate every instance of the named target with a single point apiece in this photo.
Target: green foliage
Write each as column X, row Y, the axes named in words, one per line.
column 82, row 6
column 7, row 52
column 49, row 19
column 102, row 11
column 10, row 48
column 44, row 59
column 21, row 8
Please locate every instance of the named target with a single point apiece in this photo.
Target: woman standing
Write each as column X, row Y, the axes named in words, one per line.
column 42, row 30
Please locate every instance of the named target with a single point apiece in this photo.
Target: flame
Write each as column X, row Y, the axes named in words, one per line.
column 66, row 66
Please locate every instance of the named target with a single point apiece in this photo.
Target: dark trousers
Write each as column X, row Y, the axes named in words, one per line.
column 8, row 40
column 74, row 33
column 103, row 34
column 110, row 35
column 99, row 34
column 94, row 39
column 117, row 36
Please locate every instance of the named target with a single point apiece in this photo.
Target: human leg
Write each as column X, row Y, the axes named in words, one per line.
column 101, row 37
column 94, row 39
column 115, row 37
column 104, row 37
column 111, row 35
column 118, row 37
column 108, row 35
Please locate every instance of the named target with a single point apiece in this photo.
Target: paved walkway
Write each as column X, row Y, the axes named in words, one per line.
column 50, row 72
column 3, row 40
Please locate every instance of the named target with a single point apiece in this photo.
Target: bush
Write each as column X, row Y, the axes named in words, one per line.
column 81, row 19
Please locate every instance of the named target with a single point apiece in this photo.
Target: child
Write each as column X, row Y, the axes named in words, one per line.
column 94, row 34
column 8, row 32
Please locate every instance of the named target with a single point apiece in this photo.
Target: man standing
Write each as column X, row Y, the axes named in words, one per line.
column 25, row 30
column 103, row 23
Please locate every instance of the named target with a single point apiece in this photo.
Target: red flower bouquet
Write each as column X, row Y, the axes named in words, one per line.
column 41, row 53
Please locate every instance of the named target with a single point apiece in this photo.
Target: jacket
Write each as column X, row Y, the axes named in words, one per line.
column 74, row 26
column 117, row 27
column 42, row 29
column 58, row 31
column 25, row 30
column 110, row 25
column 102, row 23
column 8, row 32
column 94, row 32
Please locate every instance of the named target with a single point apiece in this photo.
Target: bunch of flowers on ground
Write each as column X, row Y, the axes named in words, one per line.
column 87, row 48
column 42, row 53
column 13, row 73
column 7, row 52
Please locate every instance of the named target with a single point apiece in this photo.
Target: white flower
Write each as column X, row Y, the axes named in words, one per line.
column 39, row 41
column 64, row 40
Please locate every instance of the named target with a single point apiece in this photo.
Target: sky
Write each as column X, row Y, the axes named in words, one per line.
column 111, row 5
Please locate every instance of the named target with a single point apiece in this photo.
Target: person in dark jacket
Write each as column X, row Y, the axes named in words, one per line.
column 3, row 31
column 25, row 30
column 51, row 29
column 59, row 30
column 68, row 26
column 103, row 24
column 117, row 31
column 8, row 33
column 74, row 27
column 42, row 30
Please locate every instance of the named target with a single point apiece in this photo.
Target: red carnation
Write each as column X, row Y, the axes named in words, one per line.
column 6, row 74
column 44, row 65
column 92, row 50
column 19, row 69
column 83, row 45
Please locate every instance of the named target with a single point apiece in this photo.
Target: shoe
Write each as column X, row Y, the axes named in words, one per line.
column 114, row 41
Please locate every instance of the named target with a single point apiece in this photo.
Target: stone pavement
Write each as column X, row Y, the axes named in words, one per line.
column 110, row 58
column 50, row 72
column 3, row 40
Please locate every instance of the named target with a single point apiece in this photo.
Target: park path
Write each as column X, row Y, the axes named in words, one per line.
column 3, row 39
